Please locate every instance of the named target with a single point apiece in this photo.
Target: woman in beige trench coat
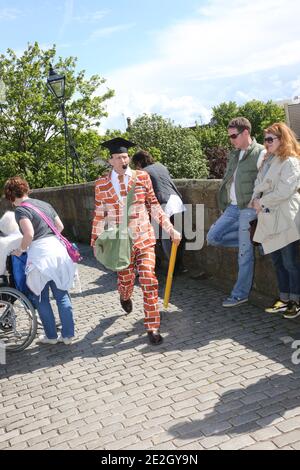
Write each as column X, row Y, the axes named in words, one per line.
column 277, row 203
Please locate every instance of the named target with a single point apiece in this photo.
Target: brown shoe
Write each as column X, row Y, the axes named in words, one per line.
column 154, row 337
column 126, row 305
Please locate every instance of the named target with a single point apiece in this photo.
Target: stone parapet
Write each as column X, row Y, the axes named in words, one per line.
column 75, row 205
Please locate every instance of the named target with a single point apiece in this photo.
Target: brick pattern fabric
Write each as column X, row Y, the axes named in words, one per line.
column 144, row 262
column 123, row 191
column 109, row 210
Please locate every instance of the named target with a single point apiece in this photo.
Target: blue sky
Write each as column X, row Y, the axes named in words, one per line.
column 178, row 58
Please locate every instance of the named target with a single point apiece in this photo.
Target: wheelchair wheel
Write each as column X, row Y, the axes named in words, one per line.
column 18, row 322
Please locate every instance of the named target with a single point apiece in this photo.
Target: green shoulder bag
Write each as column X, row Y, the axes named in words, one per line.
column 114, row 246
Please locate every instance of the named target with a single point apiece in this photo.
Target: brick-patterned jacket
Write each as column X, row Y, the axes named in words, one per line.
column 109, row 210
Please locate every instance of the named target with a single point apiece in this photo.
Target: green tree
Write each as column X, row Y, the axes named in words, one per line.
column 177, row 148
column 261, row 115
column 31, row 126
column 223, row 113
column 210, row 136
column 213, row 137
column 215, row 145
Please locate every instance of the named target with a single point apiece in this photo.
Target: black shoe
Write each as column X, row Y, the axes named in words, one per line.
column 180, row 269
column 126, row 305
column 293, row 310
column 199, row 276
column 154, row 337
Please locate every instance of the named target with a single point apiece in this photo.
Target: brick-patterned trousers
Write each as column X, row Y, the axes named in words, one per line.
column 144, row 262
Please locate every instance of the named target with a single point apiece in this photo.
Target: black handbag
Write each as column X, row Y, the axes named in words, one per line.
column 252, row 228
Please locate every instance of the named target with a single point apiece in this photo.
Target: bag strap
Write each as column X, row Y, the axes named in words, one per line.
column 44, row 217
column 129, row 199
column 131, row 192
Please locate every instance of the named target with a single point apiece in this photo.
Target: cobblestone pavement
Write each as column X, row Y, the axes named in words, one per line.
column 222, row 379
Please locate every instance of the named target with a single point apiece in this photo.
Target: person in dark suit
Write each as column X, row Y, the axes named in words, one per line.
column 168, row 196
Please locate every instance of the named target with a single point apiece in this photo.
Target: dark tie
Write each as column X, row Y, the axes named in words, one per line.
column 123, row 191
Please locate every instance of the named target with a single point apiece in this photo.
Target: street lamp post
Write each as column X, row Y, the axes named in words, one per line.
column 56, row 84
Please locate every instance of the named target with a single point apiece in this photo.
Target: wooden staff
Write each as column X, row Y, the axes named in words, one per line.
column 170, row 275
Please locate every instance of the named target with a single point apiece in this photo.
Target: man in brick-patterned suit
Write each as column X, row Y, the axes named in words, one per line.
column 110, row 191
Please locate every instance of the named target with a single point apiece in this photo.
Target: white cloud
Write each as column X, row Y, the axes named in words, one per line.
column 223, row 41
column 68, row 14
column 9, row 14
column 109, row 30
column 185, row 110
column 296, row 86
column 241, row 95
column 63, row 45
column 90, row 17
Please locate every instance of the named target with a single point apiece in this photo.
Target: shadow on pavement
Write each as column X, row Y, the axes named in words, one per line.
column 194, row 321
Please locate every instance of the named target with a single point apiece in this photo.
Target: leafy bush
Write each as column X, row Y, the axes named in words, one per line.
column 178, row 148
column 217, row 161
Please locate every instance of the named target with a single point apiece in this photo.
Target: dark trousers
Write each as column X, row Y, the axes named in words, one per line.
column 287, row 266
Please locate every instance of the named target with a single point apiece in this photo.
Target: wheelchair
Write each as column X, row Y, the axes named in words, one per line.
column 18, row 320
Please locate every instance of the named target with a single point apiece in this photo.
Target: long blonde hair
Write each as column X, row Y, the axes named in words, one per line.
column 289, row 147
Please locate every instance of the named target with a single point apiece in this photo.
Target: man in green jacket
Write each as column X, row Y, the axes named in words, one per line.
column 231, row 228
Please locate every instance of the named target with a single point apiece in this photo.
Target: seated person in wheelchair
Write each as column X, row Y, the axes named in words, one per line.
column 18, row 324
column 10, row 237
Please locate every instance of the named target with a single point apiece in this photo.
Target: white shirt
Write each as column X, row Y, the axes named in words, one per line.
column 7, row 245
column 174, row 205
column 48, row 260
column 232, row 195
column 116, row 183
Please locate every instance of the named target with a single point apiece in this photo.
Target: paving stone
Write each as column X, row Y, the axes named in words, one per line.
column 262, row 446
column 289, row 424
column 287, row 438
column 237, row 443
column 296, row 445
column 213, row 441
column 266, row 433
column 221, row 380
column 245, row 418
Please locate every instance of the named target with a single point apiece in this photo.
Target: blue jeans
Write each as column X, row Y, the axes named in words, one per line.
column 231, row 230
column 65, row 311
column 287, row 266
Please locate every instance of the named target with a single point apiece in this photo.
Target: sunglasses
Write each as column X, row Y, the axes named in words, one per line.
column 270, row 140
column 234, row 136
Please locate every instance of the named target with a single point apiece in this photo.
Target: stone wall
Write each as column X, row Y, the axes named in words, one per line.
column 75, row 205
